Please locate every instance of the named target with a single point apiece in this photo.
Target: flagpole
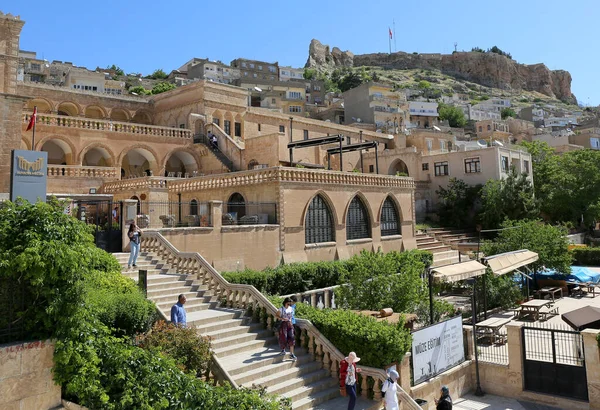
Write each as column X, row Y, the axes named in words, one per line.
column 34, row 121
column 395, row 47
column 390, row 40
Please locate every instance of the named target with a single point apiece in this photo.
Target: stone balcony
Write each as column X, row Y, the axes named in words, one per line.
column 79, row 171
column 108, row 126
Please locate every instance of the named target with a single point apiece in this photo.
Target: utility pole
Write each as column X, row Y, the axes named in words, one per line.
column 455, row 47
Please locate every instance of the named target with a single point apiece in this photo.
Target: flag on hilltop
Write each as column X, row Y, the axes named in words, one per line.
column 390, row 30
column 32, row 120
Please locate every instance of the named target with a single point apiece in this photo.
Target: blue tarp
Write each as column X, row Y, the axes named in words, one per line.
column 578, row 274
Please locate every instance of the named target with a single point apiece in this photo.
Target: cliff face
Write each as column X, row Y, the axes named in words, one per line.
column 488, row 69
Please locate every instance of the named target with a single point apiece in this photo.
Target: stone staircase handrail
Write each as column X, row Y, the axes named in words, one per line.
column 320, row 347
column 82, row 171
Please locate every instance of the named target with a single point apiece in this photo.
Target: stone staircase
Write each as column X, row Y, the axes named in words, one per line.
column 452, row 237
column 443, row 253
column 247, row 351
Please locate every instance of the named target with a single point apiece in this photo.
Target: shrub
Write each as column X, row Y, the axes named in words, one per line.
column 125, row 313
column 586, row 256
column 258, row 279
column 190, row 351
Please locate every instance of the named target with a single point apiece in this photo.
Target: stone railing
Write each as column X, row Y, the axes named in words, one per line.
column 318, row 298
column 135, row 184
column 79, row 171
column 108, row 125
column 285, row 174
column 249, row 298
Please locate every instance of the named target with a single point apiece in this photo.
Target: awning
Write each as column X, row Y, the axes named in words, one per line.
column 587, row 317
column 458, row 271
column 509, row 261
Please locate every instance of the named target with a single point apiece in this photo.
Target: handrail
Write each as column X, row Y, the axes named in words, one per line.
column 81, row 171
column 247, row 296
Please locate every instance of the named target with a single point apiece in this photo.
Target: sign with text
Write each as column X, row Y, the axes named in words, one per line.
column 28, row 176
column 437, row 348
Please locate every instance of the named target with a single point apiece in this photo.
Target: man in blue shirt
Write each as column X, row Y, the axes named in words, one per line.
column 178, row 317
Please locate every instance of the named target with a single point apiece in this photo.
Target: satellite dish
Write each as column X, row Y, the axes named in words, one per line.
column 327, row 120
column 498, row 143
column 358, row 120
column 257, row 90
column 379, row 131
column 133, row 93
column 482, row 143
column 435, row 127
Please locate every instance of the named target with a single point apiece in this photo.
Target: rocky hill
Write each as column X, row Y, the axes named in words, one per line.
column 487, row 69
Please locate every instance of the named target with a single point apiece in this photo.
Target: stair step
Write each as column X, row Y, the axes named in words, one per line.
column 267, row 343
column 287, row 370
column 243, row 363
column 212, row 316
column 251, row 371
column 222, row 325
column 296, row 388
column 334, row 402
column 235, row 340
column 238, row 330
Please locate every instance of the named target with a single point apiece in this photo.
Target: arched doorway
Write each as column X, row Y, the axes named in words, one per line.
column 59, row 152
column 43, row 106
column 97, row 157
column 138, row 162
column 68, row 109
column 236, row 206
column 94, row 112
column 142, row 117
column 179, row 163
column 118, row 114
column 399, row 168
column 138, row 204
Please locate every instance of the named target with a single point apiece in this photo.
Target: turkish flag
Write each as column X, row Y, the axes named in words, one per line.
column 390, row 30
column 32, row 120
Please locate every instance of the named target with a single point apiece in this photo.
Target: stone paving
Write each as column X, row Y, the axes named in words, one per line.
column 491, row 402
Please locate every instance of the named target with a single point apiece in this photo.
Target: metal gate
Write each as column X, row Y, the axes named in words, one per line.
column 554, row 362
column 105, row 217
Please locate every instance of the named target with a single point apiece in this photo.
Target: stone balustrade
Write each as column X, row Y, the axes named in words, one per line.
column 108, row 125
column 285, row 174
column 248, row 297
column 77, row 171
column 318, row 298
column 135, row 184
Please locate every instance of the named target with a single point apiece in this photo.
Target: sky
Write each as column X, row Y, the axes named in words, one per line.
column 141, row 36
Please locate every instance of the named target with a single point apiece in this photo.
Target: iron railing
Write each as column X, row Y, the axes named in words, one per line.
column 172, row 214
column 250, row 213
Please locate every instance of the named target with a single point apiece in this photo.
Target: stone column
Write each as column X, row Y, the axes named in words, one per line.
column 216, row 213
column 515, row 359
column 128, row 216
column 404, row 372
column 468, row 338
column 592, row 366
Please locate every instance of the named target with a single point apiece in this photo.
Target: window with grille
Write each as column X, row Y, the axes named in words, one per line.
column 357, row 221
column 193, row 207
column 319, row 222
column 389, row 219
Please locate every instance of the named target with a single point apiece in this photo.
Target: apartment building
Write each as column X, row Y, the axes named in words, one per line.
column 257, row 70
column 285, row 96
column 288, row 73
column 378, row 104
column 496, row 129
column 423, row 114
column 216, row 71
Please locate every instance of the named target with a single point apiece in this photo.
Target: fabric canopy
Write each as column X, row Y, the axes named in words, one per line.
column 587, row 317
column 458, row 271
column 508, row 262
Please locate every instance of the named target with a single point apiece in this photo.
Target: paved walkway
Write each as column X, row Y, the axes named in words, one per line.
column 491, row 402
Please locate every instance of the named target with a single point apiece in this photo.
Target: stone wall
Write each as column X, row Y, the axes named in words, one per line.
column 26, row 377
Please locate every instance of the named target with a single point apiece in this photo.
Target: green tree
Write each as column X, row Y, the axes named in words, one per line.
column 351, row 80
column 549, row 242
column 508, row 198
column 139, row 90
column 457, row 203
column 424, row 85
column 454, row 115
column 158, row 74
column 118, row 70
column 310, row 74
column 162, row 87
column 508, row 112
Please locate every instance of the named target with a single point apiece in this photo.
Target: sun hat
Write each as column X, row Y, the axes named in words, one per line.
column 393, row 375
column 352, row 358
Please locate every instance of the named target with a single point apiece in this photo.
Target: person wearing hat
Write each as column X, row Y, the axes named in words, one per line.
column 348, row 375
column 445, row 401
column 390, row 391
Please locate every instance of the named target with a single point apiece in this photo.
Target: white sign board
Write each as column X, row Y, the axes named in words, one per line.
column 437, row 348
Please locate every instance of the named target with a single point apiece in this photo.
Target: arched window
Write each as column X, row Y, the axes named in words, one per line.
column 489, row 127
column 318, row 225
column 357, row 221
column 389, row 218
column 193, row 207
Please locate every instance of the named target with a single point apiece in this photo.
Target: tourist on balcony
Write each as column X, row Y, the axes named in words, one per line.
column 134, row 235
column 390, row 391
column 286, row 329
column 445, row 401
column 178, row 315
column 348, row 374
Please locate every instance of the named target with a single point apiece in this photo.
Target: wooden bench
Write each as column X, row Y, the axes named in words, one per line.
column 548, row 311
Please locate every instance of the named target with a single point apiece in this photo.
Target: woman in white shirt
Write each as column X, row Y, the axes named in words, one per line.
column 390, row 390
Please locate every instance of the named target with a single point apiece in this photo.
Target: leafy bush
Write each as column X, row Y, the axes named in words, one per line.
column 125, row 313
column 162, row 87
column 586, row 256
column 258, row 279
column 190, row 351
column 377, row 343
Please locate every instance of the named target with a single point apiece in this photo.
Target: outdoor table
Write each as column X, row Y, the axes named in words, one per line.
column 590, row 287
column 491, row 327
column 550, row 291
column 533, row 307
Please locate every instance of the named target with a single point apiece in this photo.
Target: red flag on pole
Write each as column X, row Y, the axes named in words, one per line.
column 32, row 120
column 390, row 32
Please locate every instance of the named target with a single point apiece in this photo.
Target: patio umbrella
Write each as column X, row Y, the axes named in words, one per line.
column 587, row 317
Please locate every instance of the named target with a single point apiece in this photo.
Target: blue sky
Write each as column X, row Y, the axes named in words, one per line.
column 140, row 36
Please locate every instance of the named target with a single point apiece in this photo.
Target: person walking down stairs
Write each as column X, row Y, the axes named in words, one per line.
column 286, row 329
column 390, row 391
column 134, row 241
column 348, row 375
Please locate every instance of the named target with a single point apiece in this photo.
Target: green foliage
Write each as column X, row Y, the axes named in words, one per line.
column 190, row 351
column 508, row 198
column 162, row 87
column 494, row 50
column 524, row 100
column 310, row 74
column 158, row 74
column 118, row 70
column 508, row 112
column 424, row 85
column 457, row 203
column 537, row 100
column 378, row 344
column 550, row 243
column 139, row 90
column 501, row 291
column 375, row 281
column 441, row 310
column 477, row 50
column 586, row 256
column 454, row 115
column 350, row 81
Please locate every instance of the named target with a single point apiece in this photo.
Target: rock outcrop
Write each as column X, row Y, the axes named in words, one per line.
column 488, row 69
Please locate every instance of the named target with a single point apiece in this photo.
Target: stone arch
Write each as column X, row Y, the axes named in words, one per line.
column 60, row 150
column 217, row 115
column 398, row 166
column 387, row 224
column 119, row 114
column 26, row 145
column 327, row 200
column 252, row 164
column 240, row 120
column 97, row 154
column 138, row 161
column 43, row 105
column 69, row 108
column 95, row 112
column 142, row 117
column 393, row 198
column 314, row 220
column 367, row 205
column 199, row 126
column 180, row 160
column 228, row 119
column 237, row 203
column 354, row 210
